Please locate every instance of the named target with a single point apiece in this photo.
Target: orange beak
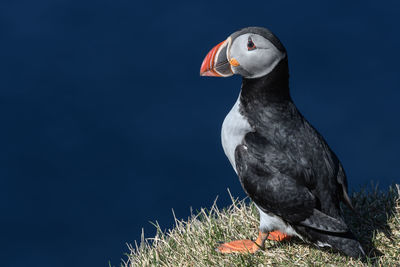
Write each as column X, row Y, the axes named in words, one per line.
column 216, row 62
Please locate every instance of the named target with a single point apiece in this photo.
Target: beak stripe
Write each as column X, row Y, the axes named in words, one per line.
column 207, row 67
column 216, row 62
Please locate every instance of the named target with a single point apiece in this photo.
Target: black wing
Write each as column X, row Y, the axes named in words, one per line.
column 263, row 171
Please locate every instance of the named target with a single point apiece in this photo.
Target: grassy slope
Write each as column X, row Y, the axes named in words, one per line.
column 193, row 242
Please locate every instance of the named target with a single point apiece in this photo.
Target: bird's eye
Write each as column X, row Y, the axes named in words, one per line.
column 250, row 45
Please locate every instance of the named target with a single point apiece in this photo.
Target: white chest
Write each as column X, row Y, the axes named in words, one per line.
column 234, row 128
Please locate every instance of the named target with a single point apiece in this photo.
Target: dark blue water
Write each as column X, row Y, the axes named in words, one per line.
column 106, row 124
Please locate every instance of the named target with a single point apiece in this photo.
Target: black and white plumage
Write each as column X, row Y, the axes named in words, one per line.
column 284, row 165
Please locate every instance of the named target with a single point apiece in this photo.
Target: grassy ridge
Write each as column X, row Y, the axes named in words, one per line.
column 193, row 242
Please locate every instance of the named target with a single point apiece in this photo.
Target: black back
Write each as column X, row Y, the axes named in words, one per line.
column 285, row 143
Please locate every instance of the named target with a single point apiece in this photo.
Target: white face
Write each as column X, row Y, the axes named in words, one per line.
column 256, row 55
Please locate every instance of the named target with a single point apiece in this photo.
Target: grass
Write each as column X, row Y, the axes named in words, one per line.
column 193, row 242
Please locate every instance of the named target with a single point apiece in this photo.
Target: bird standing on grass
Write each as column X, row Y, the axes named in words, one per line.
column 284, row 165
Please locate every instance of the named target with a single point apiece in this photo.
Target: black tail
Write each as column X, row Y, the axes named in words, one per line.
column 345, row 243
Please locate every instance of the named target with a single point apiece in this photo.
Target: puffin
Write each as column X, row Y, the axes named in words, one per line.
column 283, row 163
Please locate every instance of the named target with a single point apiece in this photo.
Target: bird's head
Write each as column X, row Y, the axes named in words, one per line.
column 252, row 52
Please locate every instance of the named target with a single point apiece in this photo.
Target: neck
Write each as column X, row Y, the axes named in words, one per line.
column 266, row 100
column 271, row 88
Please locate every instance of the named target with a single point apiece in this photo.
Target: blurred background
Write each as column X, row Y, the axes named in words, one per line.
column 107, row 125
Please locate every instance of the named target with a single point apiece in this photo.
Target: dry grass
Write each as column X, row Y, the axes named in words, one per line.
column 193, row 242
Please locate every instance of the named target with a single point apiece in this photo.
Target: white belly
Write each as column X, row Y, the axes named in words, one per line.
column 269, row 222
column 234, row 128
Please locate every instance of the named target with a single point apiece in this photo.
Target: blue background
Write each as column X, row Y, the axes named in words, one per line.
column 107, row 125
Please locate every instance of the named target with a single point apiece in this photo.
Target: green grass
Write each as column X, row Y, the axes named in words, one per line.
column 193, row 242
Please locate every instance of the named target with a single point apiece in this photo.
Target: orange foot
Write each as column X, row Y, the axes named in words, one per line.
column 278, row 236
column 248, row 246
column 243, row 246
column 240, row 246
